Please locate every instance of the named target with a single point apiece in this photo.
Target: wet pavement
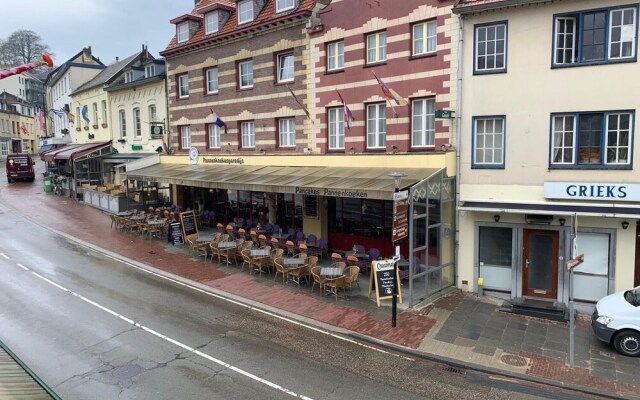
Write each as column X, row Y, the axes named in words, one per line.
column 459, row 328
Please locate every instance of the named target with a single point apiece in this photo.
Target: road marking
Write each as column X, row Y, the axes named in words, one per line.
column 23, row 267
column 291, row 321
column 177, row 343
column 5, row 256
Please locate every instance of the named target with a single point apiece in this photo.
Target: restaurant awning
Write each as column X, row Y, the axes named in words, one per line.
column 120, row 158
column 365, row 183
column 77, row 151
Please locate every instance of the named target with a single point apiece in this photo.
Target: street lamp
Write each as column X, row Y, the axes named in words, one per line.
column 397, row 177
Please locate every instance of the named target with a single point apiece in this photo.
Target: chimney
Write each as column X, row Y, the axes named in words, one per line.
column 117, row 58
column 197, row 2
column 86, row 54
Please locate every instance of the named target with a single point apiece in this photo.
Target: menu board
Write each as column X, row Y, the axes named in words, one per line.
column 175, row 233
column 188, row 222
column 311, row 207
column 382, row 280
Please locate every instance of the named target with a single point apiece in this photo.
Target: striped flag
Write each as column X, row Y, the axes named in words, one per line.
column 299, row 102
column 216, row 120
column 58, row 113
column 390, row 93
column 348, row 115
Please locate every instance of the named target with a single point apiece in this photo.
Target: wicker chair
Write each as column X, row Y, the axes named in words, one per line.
column 317, row 278
column 280, row 269
column 335, row 284
column 352, row 276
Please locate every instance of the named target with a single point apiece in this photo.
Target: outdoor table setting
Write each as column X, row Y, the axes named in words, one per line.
column 138, row 218
column 227, row 245
column 290, row 262
column 331, row 272
column 260, row 252
column 204, row 238
column 124, row 214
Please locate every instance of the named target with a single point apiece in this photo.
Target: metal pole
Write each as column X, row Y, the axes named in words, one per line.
column 571, row 310
column 394, row 300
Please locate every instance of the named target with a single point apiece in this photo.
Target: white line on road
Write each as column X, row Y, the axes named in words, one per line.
column 177, row 343
column 4, row 255
column 23, row 267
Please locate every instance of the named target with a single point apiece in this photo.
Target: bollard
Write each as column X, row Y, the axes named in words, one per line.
column 480, row 287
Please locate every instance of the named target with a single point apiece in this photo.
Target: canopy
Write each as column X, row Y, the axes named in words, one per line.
column 75, row 151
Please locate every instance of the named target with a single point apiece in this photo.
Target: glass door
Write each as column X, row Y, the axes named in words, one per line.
column 540, row 263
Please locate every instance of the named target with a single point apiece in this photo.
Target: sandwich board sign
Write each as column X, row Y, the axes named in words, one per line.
column 382, row 280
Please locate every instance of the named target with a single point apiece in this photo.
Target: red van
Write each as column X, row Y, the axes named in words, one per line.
column 20, row 167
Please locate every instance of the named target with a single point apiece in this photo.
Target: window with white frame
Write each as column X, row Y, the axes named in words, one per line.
column 287, row 132
column 153, row 117
column 423, row 122
column 212, row 80
column 424, row 38
column 128, row 76
column 183, row 86
column 95, row 113
column 595, row 36
column 285, row 67
column 185, row 137
column 136, row 122
column 591, row 278
column 80, row 120
column 183, row 31
column 104, row 111
column 335, row 55
column 149, row 71
column 488, row 142
column 123, row 124
column 283, row 5
column 245, row 11
column 247, row 130
column 490, row 48
column 214, row 136
column 376, row 126
column 336, row 128
column 4, row 149
column 211, row 22
column 602, row 139
column 245, row 74
column 376, row 47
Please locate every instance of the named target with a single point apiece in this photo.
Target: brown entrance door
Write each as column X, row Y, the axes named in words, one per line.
column 540, row 263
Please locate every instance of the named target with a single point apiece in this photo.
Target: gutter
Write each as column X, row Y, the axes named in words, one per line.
column 458, row 146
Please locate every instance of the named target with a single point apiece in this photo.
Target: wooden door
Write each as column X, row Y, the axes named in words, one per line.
column 540, row 263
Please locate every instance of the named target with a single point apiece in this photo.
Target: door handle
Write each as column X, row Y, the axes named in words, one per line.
column 526, row 264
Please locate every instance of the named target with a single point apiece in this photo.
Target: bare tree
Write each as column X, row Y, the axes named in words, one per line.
column 21, row 47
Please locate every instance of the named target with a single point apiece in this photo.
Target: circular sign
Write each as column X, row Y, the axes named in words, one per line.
column 193, row 155
column 157, row 130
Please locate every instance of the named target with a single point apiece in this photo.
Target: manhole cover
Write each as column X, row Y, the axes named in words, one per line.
column 126, row 371
column 513, row 360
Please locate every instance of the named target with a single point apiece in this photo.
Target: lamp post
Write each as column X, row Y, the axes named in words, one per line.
column 397, row 177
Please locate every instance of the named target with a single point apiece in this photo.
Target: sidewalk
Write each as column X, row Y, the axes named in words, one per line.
column 459, row 328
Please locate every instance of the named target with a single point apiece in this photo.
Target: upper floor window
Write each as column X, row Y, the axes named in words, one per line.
column 283, row 5
column 128, row 76
column 183, row 31
column 602, row 139
column 212, row 80
column 79, row 119
column 185, row 137
column 245, row 11
column 95, row 113
column 335, row 55
column 490, row 48
column 376, row 47
column 183, row 86
column 424, row 38
column 137, row 123
column 336, row 128
column 153, row 117
column 287, row 132
column 149, row 71
column 595, row 36
column 488, row 142
column 376, row 126
column 123, row 124
column 245, row 74
column 213, row 136
column 104, row 111
column 423, row 121
column 211, row 22
column 285, row 67
column 247, row 130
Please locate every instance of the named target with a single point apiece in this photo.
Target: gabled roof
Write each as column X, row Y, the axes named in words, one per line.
column 470, row 6
column 60, row 70
column 109, row 74
column 266, row 17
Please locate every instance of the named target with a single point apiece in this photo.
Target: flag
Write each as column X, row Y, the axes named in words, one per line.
column 218, row 121
column 299, row 102
column 70, row 117
column 23, row 129
column 348, row 115
column 41, row 120
column 58, row 113
column 390, row 93
column 85, row 114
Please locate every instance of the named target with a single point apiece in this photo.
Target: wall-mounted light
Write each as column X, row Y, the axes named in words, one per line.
column 394, row 149
column 496, row 218
column 562, row 221
column 625, row 224
column 352, row 150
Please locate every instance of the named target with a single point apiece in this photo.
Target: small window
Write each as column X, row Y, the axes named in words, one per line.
column 211, row 22
column 95, row 113
column 183, row 32
column 149, row 71
column 336, row 128
column 376, row 126
column 245, row 74
column 104, row 111
column 245, row 11
column 185, row 137
column 153, row 117
column 335, row 56
column 283, row 5
column 376, row 47
column 123, row 124
column 423, row 123
column 212, row 80
column 128, row 76
column 213, row 136
column 287, row 132
column 488, row 142
column 183, row 86
column 136, row 121
column 247, row 130
column 424, row 38
column 285, row 67
column 490, row 48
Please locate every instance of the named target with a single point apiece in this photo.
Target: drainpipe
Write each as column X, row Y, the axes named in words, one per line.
column 458, row 145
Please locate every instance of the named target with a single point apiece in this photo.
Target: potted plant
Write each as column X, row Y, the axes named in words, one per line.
column 104, row 124
column 78, row 129
column 95, row 126
column 86, row 128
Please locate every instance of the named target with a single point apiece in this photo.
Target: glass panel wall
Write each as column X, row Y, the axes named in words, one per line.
column 360, row 217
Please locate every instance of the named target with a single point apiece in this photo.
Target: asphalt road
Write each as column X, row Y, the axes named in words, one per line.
column 93, row 327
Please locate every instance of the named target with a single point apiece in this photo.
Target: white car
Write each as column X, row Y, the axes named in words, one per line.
column 616, row 321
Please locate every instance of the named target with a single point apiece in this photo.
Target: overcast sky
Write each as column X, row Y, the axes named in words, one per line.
column 113, row 28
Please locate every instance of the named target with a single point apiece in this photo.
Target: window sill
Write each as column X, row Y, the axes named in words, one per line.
column 247, row 149
column 210, row 94
column 421, row 56
column 241, row 89
column 500, row 166
column 375, row 64
column 336, row 151
column 375, row 150
column 283, row 83
column 593, row 63
column 492, row 72
column 574, row 167
column 182, row 98
column 334, row 71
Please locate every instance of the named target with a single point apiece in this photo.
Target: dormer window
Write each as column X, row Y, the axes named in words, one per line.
column 183, row 32
column 245, row 11
column 283, row 5
column 149, row 71
column 211, row 22
column 128, row 76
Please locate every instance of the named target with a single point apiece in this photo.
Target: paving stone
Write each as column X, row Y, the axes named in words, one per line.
column 470, row 335
column 446, row 338
column 626, row 378
column 486, row 350
column 558, row 355
column 605, row 374
column 517, row 325
column 464, row 342
column 557, row 346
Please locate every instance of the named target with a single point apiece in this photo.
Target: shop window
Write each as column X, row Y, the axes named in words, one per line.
column 591, row 278
column 495, row 257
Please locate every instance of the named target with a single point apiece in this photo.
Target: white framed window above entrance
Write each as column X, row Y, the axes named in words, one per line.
column 336, row 128
column 285, row 67
column 424, row 38
column 335, row 56
column 248, row 133
column 377, row 47
column 488, row 142
column 185, row 137
column 423, row 122
column 376, row 126
column 212, row 80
